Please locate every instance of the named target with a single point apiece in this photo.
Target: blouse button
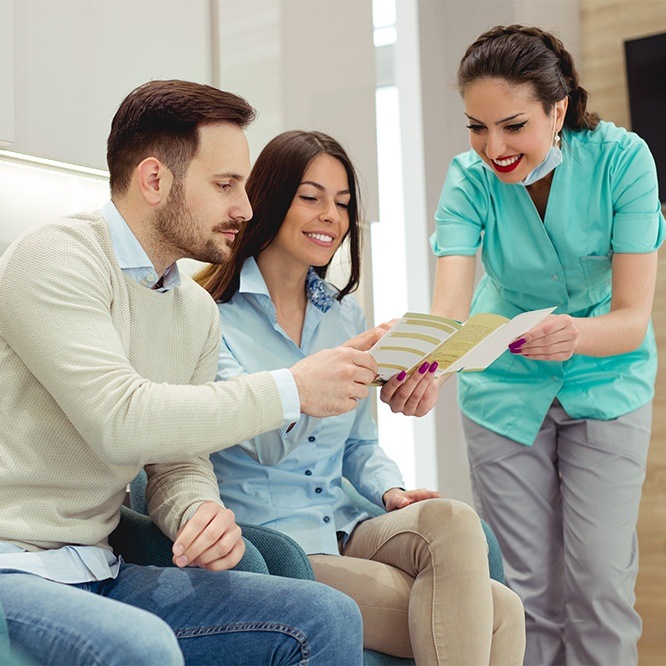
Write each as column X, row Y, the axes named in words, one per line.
column 317, row 490
column 308, row 472
column 327, row 519
column 554, row 278
column 311, row 438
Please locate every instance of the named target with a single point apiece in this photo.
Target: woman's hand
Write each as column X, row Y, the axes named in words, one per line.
column 397, row 498
column 415, row 395
column 553, row 339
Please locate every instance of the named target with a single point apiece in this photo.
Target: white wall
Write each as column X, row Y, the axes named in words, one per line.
column 306, row 64
column 75, row 60
column 302, row 64
column 6, row 71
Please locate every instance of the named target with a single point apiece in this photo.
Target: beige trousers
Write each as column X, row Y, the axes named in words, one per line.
column 420, row 577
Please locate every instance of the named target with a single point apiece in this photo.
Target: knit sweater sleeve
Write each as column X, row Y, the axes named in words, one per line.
column 175, row 490
column 57, row 303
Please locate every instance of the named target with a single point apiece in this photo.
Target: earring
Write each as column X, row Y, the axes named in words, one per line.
column 556, row 140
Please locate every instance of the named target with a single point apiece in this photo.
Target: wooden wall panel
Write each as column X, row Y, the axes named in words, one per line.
column 605, row 24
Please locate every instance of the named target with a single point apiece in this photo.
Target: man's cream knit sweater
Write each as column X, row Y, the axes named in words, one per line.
column 101, row 376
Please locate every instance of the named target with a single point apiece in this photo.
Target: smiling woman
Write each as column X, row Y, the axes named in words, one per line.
column 277, row 308
column 566, row 210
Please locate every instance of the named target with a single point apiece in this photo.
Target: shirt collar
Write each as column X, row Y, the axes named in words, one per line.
column 131, row 256
column 252, row 282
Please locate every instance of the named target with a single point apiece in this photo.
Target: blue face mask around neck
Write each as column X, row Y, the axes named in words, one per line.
column 553, row 159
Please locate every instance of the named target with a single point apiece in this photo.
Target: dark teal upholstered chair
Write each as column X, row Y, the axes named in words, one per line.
column 138, row 540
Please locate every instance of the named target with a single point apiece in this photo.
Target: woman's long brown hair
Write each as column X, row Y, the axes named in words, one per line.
column 271, row 187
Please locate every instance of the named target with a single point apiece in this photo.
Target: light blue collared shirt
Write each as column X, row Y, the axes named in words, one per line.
column 291, row 481
column 131, row 256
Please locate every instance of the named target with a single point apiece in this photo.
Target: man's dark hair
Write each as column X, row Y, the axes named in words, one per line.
column 161, row 119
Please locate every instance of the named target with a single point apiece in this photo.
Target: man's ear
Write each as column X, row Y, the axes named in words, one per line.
column 154, row 180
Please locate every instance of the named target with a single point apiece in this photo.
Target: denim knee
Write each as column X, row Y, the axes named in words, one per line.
column 143, row 639
column 342, row 612
column 151, row 642
column 336, row 629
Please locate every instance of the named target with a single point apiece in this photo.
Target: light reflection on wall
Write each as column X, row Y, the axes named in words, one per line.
column 389, row 262
column 32, row 194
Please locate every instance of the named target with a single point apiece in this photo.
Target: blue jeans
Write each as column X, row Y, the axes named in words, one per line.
column 150, row 615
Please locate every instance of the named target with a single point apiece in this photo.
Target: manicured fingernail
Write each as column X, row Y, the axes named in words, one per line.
column 514, row 347
column 433, row 367
column 401, row 376
column 424, row 368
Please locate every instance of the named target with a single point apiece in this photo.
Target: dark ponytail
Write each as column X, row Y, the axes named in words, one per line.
column 520, row 54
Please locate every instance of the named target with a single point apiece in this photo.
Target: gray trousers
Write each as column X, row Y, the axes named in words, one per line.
column 565, row 514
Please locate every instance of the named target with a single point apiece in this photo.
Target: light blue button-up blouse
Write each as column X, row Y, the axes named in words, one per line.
column 291, row 481
column 603, row 199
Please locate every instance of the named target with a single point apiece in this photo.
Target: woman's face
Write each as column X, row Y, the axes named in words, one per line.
column 508, row 127
column 318, row 218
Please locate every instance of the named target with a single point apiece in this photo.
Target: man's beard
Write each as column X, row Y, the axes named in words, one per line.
column 176, row 226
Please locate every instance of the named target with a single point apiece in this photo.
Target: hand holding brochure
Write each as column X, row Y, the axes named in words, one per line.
column 457, row 347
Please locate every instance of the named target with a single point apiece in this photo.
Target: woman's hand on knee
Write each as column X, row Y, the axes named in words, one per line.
column 397, row 498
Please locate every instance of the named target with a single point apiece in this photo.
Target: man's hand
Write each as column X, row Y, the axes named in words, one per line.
column 363, row 341
column 415, row 395
column 397, row 498
column 332, row 380
column 210, row 539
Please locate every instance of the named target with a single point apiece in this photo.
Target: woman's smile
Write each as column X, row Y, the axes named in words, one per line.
column 507, row 164
column 319, row 238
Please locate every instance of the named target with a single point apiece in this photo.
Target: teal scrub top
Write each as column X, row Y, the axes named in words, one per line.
column 603, row 199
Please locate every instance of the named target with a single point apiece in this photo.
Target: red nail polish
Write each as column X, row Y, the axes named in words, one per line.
column 423, row 368
column 401, row 375
column 434, row 366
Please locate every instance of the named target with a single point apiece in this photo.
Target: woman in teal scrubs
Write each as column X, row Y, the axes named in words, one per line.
column 565, row 209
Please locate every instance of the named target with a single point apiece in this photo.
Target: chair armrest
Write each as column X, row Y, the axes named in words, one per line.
column 283, row 556
column 139, row 541
column 494, row 554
